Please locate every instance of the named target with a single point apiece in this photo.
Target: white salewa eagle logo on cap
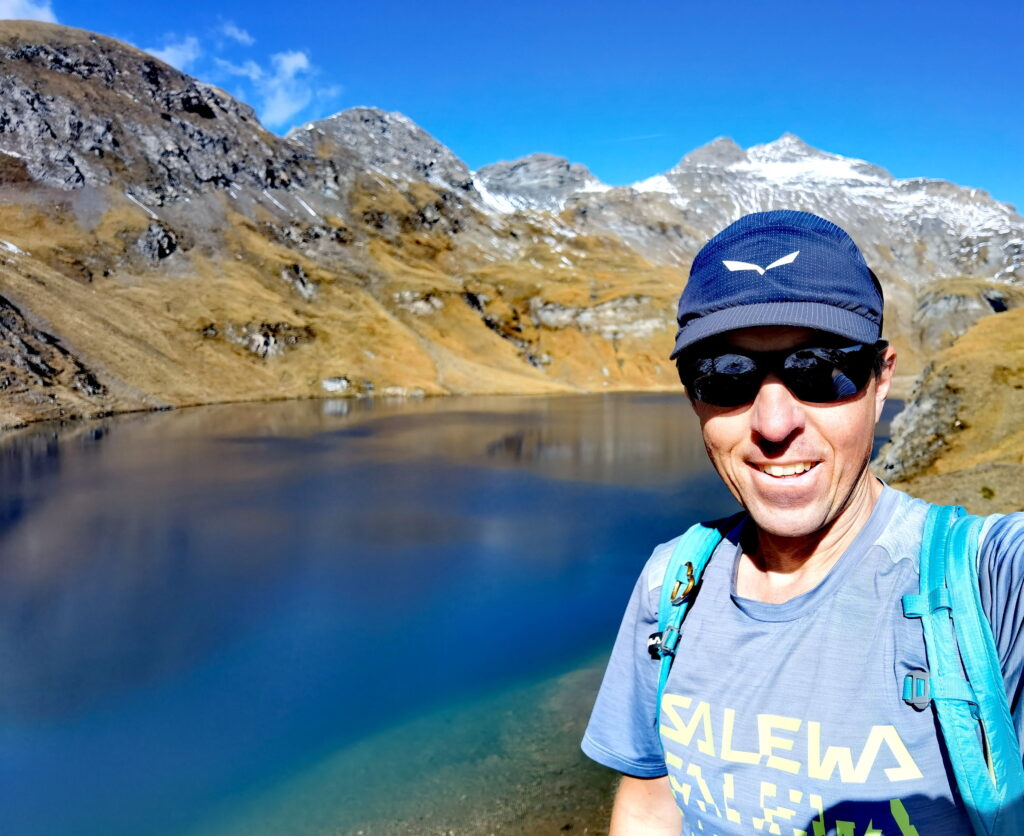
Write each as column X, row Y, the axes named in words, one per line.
column 742, row 265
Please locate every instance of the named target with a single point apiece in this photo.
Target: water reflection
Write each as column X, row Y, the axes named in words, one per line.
column 197, row 603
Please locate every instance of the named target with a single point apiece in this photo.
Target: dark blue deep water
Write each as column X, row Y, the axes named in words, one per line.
column 197, row 606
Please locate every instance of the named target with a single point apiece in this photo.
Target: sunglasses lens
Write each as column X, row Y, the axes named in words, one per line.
column 724, row 380
column 814, row 375
column 826, row 375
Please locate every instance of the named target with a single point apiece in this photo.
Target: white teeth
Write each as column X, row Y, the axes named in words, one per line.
column 786, row 469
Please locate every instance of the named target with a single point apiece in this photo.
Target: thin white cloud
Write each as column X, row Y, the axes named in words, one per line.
column 180, row 54
column 247, row 69
column 231, row 30
column 287, row 91
column 279, row 88
column 330, row 92
column 288, row 64
column 27, row 10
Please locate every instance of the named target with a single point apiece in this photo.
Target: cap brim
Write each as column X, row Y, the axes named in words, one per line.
column 816, row 315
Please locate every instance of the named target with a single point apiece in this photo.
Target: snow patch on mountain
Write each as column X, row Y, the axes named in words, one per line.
column 657, row 183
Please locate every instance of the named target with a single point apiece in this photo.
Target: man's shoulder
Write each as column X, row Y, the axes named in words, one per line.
column 903, row 525
column 1000, row 533
column 1002, row 538
column 657, row 563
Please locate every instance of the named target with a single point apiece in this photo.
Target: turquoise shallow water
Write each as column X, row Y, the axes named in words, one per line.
column 273, row 612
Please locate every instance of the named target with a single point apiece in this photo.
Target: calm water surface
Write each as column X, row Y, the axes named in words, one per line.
column 196, row 607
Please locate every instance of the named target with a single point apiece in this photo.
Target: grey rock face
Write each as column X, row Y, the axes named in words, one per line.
column 942, row 315
column 630, row 316
column 388, row 143
column 539, row 181
column 716, row 154
column 157, row 242
column 920, row 431
column 32, row 361
column 913, row 230
column 84, row 109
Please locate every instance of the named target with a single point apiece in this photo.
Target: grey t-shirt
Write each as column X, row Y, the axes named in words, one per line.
column 788, row 718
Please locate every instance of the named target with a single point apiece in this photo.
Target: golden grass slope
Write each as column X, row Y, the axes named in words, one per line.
column 976, row 450
column 250, row 317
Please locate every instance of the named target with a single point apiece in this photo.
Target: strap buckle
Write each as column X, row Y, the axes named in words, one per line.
column 663, row 644
column 917, row 690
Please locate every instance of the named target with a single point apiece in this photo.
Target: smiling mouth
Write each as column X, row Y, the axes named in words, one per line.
column 783, row 471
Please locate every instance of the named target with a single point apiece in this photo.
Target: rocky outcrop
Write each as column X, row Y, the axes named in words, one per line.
column 947, row 309
column 39, row 377
column 539, row 181
column 628, row 316
column 388, row 143
column 924, row 429
column 960, row 438
column 82, row 109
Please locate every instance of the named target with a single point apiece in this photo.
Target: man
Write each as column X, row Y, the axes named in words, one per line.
column 782, row 712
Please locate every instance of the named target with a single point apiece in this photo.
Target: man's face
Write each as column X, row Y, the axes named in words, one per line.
column 748, row 444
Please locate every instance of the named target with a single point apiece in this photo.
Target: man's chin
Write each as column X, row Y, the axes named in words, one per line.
column 788, row 522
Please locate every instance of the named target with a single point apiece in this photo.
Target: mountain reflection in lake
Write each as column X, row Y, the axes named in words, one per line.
column 198, row 607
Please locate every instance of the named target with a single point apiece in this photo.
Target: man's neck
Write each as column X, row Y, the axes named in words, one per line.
column 774, row 569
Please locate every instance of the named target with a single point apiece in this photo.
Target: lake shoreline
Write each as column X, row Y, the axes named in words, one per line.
column 66, row 419
column 900, row 390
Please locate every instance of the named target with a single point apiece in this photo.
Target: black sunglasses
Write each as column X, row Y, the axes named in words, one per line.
column 730, row 377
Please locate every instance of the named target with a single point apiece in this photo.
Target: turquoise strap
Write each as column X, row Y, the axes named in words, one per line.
column 1001, row 792
column 915, row 606
column 991, row 788
column 689, row 558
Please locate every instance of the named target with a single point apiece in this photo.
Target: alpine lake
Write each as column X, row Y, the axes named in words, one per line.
column 327, row 617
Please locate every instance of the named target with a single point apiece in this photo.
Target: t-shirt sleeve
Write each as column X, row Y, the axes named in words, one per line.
column 1001, row 581
column 621, row 733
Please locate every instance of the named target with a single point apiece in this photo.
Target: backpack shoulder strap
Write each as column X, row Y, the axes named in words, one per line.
column 988, row 770
column 679, row 588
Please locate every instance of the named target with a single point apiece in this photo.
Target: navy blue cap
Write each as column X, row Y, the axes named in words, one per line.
column 780, row 268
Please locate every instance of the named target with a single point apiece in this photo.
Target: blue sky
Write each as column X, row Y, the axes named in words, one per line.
column 922, row 89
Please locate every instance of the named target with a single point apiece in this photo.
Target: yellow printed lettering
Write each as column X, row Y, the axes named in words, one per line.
column 819, row 823
column 821, row 766
column 729, row 793
column 708, row 800
column 766, row 741
column 682, row 790
column 728, row 753
column 769, row 790
column 902, row 818
column 907, row 769
column 682, row 732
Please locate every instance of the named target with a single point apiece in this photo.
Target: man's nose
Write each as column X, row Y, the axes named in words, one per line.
column 776, row 414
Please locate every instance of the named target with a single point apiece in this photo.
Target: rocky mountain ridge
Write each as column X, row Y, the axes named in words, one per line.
column 159, row 243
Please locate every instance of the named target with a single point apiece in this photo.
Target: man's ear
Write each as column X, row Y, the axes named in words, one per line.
column 884, row 380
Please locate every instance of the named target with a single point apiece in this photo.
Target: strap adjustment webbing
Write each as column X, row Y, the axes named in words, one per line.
column 918, row 605
column 920, row 688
